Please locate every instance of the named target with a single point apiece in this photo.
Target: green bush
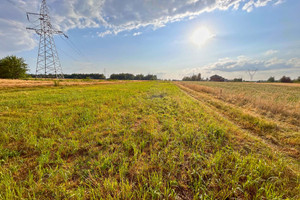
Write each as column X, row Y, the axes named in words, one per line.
column 56, row 83
column 13, row 67
column 271, row 79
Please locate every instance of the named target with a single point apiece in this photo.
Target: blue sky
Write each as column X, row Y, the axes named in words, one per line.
column 162, row 37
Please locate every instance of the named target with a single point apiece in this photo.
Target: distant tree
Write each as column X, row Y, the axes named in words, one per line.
column 285, row 79
column 199, row 77
column 150, row 77
column 126, row 76
column 122, row 76
column 192, row 78
column 71, row 76
column 271, row 79
column 186, row 78
column 13, row 67
column 84, row 76
column 238, row 80
column 139, row 77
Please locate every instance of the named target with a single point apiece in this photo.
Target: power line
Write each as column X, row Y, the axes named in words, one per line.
column 74, row 47
column 67, row 54
column 72, row 43
column 66, row 41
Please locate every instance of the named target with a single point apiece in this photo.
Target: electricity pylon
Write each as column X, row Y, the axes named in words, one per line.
column 252, row 73
column 48, row 61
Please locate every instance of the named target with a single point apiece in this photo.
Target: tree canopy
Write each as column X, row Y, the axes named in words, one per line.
column 127, row 76
column 84, row 76
column 285, row 79
column 13, row 67
column 271, row 79
column 192, row 78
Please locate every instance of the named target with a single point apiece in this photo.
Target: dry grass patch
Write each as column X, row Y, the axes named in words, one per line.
column 9, row 83
column 274, row 101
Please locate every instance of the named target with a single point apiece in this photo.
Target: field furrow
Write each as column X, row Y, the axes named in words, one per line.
column 272, row 134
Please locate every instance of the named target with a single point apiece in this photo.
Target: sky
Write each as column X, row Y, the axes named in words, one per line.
column 169, row 38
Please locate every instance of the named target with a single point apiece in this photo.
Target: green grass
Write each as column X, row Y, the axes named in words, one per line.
column 145, row 140
column 280, row 137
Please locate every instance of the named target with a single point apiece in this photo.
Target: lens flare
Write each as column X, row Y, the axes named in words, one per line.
column 201, row 36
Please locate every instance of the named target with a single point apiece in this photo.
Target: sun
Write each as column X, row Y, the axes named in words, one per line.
column 201, row 35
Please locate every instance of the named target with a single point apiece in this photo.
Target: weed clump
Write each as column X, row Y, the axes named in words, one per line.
column 56, row 83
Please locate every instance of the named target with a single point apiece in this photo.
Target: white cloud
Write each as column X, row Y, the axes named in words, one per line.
column 114, row 16
column 103, row 34
column 294, row 62
column 279, row 2
column 239, row 66
column 255, row 4
column 137, row 33
column 14, row 38
column 243, row 64
column 270, row 52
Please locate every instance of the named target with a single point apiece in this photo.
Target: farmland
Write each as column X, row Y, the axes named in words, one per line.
column 269, row 99
column 150, row 140
column 7, row 83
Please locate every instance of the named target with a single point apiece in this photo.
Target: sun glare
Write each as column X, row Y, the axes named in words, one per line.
column 201, row 36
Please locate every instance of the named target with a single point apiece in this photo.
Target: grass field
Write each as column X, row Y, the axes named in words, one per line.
column 266, row 111
column 281, row 101
column 7, row 83
column 144, row 140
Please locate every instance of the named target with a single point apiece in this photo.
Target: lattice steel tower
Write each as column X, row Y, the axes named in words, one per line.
column 48, row 61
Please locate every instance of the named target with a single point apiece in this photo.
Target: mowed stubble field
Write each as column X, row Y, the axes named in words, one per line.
column 150, row 140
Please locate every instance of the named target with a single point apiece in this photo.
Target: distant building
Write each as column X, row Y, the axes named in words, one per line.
column 217, row 78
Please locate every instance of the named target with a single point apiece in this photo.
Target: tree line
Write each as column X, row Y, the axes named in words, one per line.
column 122, row 76
column 85, row 76
column 71, row 76
column 13, row 67
column 217, row 78
column 192, row 78
column 127, row 76
column 284, row 79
